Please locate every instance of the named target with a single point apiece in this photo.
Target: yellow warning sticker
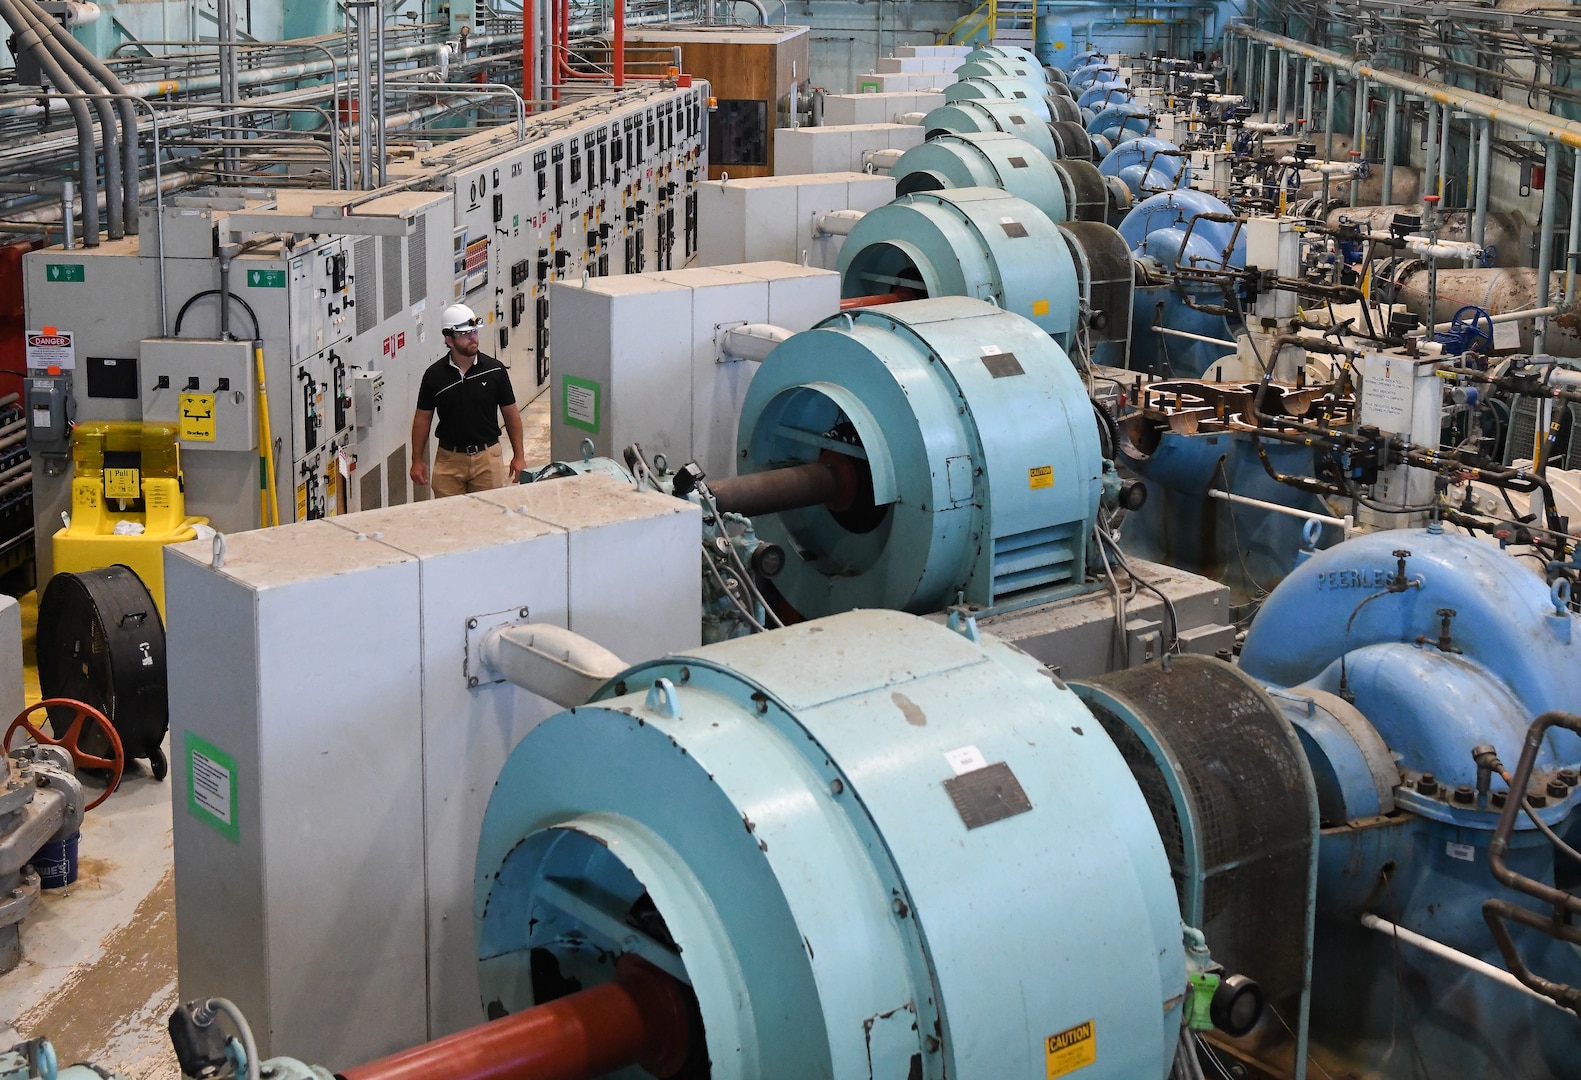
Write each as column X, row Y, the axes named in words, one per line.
column 197, row 417
column 122, row 484
column 1071, row 1049
column 1041, row 476
column 301, row 502
column 1040, row 307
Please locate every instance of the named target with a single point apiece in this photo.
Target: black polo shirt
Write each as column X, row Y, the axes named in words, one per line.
column 468, row 407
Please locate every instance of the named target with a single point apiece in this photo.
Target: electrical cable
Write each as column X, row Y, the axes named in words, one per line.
column 1169, row 605
column 728, row 592
column 243, row 1030
column 195, row 297
column 1120, row 637
column 1399, row 979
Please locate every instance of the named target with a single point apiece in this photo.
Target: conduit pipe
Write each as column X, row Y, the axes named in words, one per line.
column 1523, row 119
column 1545, row 250
column 28, row 40
column 305, row 69
column 99, row 70
column 46, row 27
column 1455, row 956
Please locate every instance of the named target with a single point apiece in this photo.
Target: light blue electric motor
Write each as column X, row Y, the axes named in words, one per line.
column 983, row 159
column 976, row 241
column 1147, row 166
column 1004, row 68
column 998, row 88
column 1003, row 52
column 869, row 844
column 974, row 445
column 1010, row 117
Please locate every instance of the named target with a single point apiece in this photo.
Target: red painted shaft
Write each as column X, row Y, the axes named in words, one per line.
column 873, row 301
column 639, row 1019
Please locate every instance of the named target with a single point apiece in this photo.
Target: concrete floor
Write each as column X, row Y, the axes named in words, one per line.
column 98, row 974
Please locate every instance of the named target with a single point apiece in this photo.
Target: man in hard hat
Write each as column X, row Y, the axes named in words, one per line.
column 471, row 392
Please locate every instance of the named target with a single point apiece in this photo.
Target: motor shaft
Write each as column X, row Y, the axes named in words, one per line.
column 641, row 1018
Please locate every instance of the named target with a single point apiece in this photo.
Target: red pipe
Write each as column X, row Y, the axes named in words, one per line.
column 639, row 1019
column 529, row 39
column 617, row 43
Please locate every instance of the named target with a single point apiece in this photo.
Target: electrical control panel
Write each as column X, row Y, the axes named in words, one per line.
column 609, row 189
column 340, row 289
column 322, row 306
column 367, row 399
column 205, row 387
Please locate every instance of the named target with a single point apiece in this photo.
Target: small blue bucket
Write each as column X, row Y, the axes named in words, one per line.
column 56, row 862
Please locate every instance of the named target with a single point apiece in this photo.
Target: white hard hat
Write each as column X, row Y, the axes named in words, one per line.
column 458, row 317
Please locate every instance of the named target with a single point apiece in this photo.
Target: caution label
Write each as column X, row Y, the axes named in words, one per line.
column 197, row 417
column 1071, row 1049
column 1040, row 476
column 1040, row 307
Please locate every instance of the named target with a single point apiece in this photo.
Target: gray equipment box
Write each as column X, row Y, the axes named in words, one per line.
column 334, row 759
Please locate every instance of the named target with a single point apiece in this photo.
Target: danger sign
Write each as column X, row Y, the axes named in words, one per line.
column 50, row 348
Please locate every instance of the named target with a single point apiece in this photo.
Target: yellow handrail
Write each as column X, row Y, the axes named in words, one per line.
column 954, row 35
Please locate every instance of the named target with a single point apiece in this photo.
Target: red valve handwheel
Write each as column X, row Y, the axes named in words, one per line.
column 80, row 758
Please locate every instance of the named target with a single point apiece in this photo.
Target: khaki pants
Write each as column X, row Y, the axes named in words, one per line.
column 454, row 473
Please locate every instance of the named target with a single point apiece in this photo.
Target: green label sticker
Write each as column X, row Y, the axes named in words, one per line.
column 66, row 271
column 869, row 88
column 266, row 279
column 211, row 786
column 580, row 404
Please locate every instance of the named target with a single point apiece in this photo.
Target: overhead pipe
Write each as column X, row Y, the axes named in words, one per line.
column 1530, row 121
column 114, row 202
column 301, row 70
column 529, row 58
column 1573, row 241
column 617, row 43
column 1545, row 250
column 230, row 90
column 1479, row 229
column 128, row 114
column 1391, row 142
column 29, row 40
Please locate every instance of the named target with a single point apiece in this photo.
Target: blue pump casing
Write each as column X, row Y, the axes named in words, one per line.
column 1389, row 704
column 1120, row 123
column 1168, row 229
column 1147, row 166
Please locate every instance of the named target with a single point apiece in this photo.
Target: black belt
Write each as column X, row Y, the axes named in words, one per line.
column 475, row 448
